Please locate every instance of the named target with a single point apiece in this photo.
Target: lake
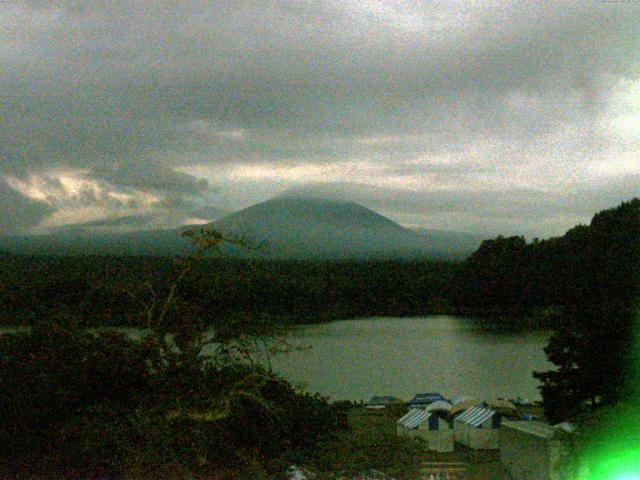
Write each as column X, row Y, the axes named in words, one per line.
column 355, row 359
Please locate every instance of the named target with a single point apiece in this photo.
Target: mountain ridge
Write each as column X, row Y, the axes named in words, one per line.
column 285, row 226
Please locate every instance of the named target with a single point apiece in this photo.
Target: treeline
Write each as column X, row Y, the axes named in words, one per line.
column 510, row 278
column 110, row 290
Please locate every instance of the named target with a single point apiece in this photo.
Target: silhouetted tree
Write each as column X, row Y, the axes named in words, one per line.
column 493, row 279
column 593, row 349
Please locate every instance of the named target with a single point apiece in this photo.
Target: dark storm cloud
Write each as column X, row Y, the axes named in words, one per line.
column 133, row 90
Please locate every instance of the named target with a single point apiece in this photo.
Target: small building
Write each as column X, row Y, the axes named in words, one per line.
column 424, row 399
column 434, row 430
column 477, row 428
column 532, row 450
column 381, row 402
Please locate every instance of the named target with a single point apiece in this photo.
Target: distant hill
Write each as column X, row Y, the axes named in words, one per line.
column 82, row 241
column 454, row 244
column 126, row 235
column 283, row 227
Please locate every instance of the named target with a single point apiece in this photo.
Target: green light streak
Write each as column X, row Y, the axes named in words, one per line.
column 613, row 448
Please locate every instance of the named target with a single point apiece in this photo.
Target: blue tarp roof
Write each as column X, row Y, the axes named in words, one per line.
column 425, row 398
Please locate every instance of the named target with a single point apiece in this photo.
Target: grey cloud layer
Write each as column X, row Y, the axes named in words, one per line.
column 513, row 211
column 151, row 177
column 153, row 86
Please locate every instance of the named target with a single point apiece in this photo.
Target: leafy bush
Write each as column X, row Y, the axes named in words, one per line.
column 52, row 372
column 100, row 404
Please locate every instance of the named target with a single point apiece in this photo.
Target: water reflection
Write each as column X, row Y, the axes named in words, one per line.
column 355, row 359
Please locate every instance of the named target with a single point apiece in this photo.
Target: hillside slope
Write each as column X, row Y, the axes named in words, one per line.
column 321, row 228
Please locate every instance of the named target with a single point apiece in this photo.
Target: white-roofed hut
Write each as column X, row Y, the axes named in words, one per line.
column 532, row 450
column 477, row 428
column 434, row 430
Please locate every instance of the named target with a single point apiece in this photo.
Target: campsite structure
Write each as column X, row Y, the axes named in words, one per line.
column 529, row 450
column 434, row 430
column 424, row 399
column 462, row 406
column 439, row 406
column 381, row 402
column 477, row 428
column 532, row 450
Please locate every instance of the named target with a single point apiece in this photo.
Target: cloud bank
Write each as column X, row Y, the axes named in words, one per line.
column 484, row 116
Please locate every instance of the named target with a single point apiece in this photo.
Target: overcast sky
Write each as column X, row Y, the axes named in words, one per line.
column 491, row 116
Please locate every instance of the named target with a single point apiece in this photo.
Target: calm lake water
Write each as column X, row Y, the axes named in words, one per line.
column 355, row 359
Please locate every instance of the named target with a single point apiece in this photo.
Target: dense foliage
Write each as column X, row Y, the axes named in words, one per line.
column 107, row 290
column 509, row 277
column 184, row 397
column 82, row 404
column 52, row 374
column 595, row 346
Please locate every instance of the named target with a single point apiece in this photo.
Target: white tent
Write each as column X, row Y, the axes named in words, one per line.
column 477, row 428
column 434, row 430
column 532, row 450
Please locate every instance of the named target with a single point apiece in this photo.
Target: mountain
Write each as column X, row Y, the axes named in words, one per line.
column 209, row 213
column 283, row 227
column 299, row 227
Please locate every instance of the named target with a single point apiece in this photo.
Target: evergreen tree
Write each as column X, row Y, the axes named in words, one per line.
column 593, row 350
column 493, row 280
